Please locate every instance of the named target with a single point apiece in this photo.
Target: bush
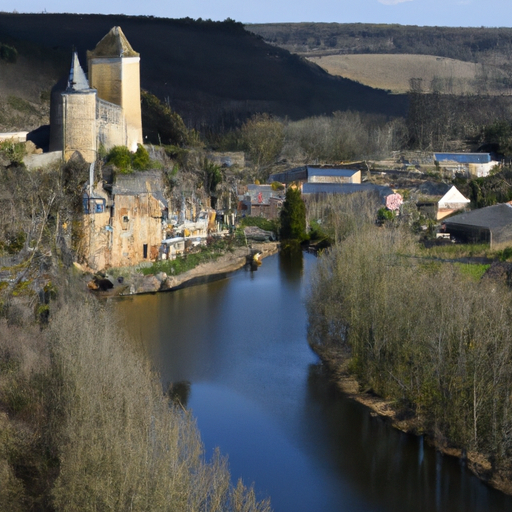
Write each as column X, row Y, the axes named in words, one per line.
column 141, row 160
column 121, row 157
column 14, row 151
column 126, row 161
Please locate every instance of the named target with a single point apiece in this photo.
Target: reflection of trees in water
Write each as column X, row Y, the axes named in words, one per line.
column 179, row 392
column 291, row 262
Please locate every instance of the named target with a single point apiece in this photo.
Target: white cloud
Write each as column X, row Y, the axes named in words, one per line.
column 393, row 2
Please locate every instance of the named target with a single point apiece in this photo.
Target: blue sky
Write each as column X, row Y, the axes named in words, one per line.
column 489, row 13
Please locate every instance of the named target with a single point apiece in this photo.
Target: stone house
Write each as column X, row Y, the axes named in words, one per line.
column 468, row 164
column 262, row 201
column 124, row 226
column 317, row 174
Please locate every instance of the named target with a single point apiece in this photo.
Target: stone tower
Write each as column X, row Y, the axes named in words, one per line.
column 114, row 71
column 78, row 106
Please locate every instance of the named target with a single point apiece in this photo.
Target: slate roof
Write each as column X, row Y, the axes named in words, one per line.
column 345, row 188
column 114, row 44
column 490, row 217
column 304, row 172
column 297, row 174
column 138, row 183
column 77, row 80
column 331, row 171
column 463, row 158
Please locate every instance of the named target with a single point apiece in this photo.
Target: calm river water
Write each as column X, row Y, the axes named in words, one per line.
column 261, row 395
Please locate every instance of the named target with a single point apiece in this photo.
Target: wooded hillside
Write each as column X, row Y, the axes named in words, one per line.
column 214, row 74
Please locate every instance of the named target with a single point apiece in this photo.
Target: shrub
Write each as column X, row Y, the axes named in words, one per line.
column 141, row 160
column 126, row 161
column 14, row 151
column 121, row 157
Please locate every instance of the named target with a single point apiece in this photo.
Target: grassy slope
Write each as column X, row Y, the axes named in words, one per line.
column 394, row 71
column 212, row 73
column 489, row 47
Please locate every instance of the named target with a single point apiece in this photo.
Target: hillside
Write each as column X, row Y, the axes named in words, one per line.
column 394, row 72
column 214, row 74
column 25, row 85
column 490, row 47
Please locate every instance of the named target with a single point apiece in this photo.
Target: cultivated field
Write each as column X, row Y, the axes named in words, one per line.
column 394, row 72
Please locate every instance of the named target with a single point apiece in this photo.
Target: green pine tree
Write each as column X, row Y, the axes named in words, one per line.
column 293, row 216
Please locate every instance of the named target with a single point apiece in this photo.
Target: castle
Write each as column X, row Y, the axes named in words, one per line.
column 124, row 215
column 103, row 110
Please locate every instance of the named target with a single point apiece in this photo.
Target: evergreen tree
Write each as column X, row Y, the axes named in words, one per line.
column 293, row 216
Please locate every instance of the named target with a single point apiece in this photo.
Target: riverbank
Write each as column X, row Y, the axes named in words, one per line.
column 477, row 463
column 135, row 283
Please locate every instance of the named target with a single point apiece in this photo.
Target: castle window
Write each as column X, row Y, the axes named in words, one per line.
column 85, row 203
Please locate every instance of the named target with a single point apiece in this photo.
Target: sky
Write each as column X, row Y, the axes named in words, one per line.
column 453, row 13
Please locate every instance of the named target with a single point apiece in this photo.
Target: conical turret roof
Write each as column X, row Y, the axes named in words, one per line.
column 114, row 44
column 77, row 80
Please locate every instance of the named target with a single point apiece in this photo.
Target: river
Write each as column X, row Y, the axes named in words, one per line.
column 238, row 349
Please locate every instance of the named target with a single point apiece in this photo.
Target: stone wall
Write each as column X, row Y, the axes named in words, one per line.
column 117, row 80
column 79, row 124
column 111, row 125
column 137, row 229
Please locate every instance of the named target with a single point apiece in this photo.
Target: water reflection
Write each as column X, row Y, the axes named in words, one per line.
column 237, row 355
column 291, row 264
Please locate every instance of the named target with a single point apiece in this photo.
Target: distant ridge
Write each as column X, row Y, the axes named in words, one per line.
column 214, row 74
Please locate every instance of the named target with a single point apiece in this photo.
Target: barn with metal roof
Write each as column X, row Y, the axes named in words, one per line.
column 492, row 225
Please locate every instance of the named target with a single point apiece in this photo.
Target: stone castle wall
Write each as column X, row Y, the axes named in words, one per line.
column 117, row 80
column 111, row 126
column 79, row 124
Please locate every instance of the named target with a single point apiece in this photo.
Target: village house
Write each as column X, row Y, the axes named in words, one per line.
column 317, row 174
column 125, row 226
column 310, row 190
column 451, row 202
column 261, row 201
column 473, row 165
